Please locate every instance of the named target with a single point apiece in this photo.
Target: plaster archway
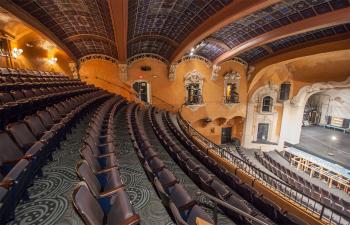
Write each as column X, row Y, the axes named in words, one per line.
column 293, row 110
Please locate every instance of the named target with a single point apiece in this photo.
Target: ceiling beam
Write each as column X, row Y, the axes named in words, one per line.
column 119, row 15
column 35, row 25
column 232, row 12
column 317, row 22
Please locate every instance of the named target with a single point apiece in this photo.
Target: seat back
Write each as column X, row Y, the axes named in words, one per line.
column 55, row 115
column 85, row 173
column 35, row 125
column 17, row 95
column 5, row 98
column 87, row 154
column 45, row 118
column 9, row 151
column 87, row 206
column 21, row 133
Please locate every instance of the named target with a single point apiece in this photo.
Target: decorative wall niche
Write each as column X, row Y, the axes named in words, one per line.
column 231, row 88
column 193, row 83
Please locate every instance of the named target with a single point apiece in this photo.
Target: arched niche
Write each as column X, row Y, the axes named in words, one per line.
column 193, row 84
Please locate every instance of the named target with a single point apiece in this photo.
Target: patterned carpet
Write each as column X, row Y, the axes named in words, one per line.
column 51, row 195
column 141, row 193
column 189, row 185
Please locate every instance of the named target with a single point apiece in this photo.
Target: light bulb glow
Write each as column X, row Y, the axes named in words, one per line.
column 334, row 138
column 16, row 52
column 52, row 60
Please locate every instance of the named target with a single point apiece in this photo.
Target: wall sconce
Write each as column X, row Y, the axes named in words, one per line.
column 52, row 60
column 16, row 52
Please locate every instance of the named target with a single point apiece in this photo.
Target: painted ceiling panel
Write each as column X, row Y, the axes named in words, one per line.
column 172, row 19
column 258, row 53
column 270, row 18
column 67, row 19
column 210, row 50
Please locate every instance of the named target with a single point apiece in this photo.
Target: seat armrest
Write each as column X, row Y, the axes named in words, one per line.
column 107, row 170
column 6, row 183
column 37, row 147
column 106, row 155
column 112, row 192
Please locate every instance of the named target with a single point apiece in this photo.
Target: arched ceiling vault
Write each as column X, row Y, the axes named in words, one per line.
column 68, row 19
column 122, row 29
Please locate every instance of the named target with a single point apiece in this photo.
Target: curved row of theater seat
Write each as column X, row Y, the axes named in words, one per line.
column 22, row 93
column 304, row 185
column 27, row 144
column 101, row 198
column 173, row 195
column 264, row 204
column 204, row 179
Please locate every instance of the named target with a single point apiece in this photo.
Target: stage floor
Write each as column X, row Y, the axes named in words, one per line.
column 318, row 141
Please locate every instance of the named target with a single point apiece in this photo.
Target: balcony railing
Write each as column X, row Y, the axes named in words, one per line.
column 324, row 212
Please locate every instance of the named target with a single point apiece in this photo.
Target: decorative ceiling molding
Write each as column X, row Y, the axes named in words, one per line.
column 138, row 57
column 238, row 60
column 97, row 57
column 186, row 58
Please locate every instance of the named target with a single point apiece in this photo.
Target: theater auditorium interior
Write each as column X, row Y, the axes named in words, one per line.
column 164, row 112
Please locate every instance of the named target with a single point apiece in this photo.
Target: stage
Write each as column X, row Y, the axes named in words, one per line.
column 331, row 145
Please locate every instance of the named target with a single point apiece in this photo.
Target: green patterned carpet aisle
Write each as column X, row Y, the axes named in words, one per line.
column 51, row 195
column 190, row 186
column 140, row 190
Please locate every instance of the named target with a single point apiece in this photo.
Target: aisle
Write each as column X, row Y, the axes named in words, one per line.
column 141, row 192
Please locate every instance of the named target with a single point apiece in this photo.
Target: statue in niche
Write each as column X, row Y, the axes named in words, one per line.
column 193, row 87
column 231, row 87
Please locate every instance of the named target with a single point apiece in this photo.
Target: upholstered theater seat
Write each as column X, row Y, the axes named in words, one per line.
column 118, row 211
column 104, row 183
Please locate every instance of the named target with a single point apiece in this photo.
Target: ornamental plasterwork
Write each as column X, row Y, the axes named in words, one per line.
column 123, row 72
column 172, row 72
column 137, row 57
column 74, row 69
column 232, row 76
column 239, row 60
column 186, row 58
column 215, row 72
column 193, row 77
column 97, row 57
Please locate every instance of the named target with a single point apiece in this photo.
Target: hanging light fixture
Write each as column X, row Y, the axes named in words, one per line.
column 16, row 52
column 52, row 60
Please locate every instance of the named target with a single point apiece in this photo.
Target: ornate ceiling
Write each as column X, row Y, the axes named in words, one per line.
column 265, row 20
column 260, row 52
column 165, row 23
column 85, row 27
column 159, row 26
